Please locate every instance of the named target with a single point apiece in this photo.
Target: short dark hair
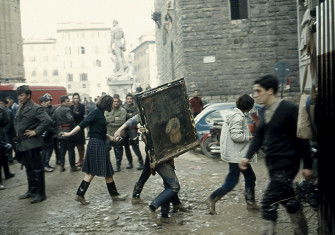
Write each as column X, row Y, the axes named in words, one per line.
column 23, row 89
column 268, row 81
column 116, row 96
column 129, row 95
column 63, row 98
column 10, row 98
column 245, row 103
column 105, row 102
column 76, row 94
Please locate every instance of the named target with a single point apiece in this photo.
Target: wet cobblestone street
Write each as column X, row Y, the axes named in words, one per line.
column 198, row 176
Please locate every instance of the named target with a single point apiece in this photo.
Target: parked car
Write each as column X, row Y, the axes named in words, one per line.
column 208, row 126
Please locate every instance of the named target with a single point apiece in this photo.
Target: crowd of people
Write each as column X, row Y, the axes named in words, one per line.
column 42, row 129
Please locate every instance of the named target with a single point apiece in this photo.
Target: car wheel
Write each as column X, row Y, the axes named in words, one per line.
column 205, row 147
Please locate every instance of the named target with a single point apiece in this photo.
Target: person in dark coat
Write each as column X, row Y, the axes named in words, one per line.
column 276, row 133
column 48, row 142
column 78, row 110
column 4, row 120
column 97, row 160
column 65, row 123
column 30, row 122
column 8, row 135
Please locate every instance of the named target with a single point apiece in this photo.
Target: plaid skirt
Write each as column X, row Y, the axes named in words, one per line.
column 97, row 160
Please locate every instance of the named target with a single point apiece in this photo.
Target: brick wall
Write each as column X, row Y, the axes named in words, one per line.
column 236, row 52
column 11, row 56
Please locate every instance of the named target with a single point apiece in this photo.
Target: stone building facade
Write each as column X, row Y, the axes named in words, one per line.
column 41, row 64
column 145, row 62
column 221, row 46
column 11, row 56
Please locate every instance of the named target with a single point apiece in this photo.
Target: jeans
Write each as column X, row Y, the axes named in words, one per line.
column 280, row 190
column 66, row 145
column 232, row 180
column 171, row 187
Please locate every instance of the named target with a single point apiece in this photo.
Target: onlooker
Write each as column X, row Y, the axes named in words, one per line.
column 90, row 105
column 30, row 122
column 12, row 105
column 196, row 103
column 115, row 119
column 65, row 123
column 4, row 120
column 48, row 135
column 131, row 136
column 78, row 110
column 234, row 141
column 283, row 151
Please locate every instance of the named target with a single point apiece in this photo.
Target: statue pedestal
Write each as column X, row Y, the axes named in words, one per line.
column 120, row 84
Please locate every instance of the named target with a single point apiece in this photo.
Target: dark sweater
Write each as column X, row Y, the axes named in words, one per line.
column 282, row 148
column 97, row 124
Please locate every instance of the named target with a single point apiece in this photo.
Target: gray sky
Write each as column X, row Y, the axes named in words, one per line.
column 39, row 17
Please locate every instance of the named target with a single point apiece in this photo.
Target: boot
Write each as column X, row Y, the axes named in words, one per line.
column 269, row 227
column 250, row 199
column 114, row 193
column 130, row 165
column 136, row 194
column 211, row 205
column 39, row 193
column 118, row 168
column 30, row 184
column 140, row 166
column 74, row 169
column 81, row 192
column 299, row 223
column 62, row 168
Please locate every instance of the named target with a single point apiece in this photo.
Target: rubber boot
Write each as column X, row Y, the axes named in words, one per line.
column 250, row 199
column 211, row 205
column 30, row 185
column 39, row 193
column 299, row 223
column 269, row 227
column 81, row 192
column 114, row 193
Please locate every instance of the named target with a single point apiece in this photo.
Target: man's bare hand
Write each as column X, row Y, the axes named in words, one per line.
column 30, row 133
column 244, row 163
column 307, row 173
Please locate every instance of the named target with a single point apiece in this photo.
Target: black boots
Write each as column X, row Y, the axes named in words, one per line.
column 30, row 185
column 81, row 192
column 249, row 195
column 130, row 165
column 114, row 193
column 38, row 189
column 136, row 194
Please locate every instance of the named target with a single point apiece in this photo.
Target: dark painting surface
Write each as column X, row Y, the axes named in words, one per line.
column 165, row 113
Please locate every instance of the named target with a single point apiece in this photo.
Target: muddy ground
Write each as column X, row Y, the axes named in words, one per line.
column 198, row 177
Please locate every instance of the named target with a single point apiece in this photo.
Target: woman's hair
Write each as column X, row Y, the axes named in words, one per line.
column 245, row 103
column 105, row 102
